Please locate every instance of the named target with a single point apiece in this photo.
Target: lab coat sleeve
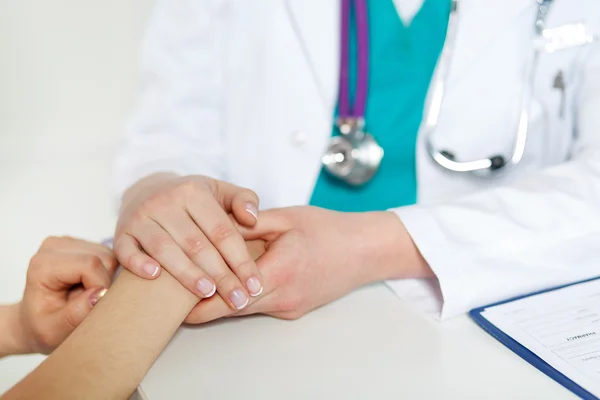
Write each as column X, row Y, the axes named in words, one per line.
column 540, row 232
column 177, row 122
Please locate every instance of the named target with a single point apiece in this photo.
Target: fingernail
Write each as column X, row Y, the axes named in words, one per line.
column 252, row 210
column 239, row 299
column 254, row 286
column 150, row 269
column 206, row 287
column 97, row 295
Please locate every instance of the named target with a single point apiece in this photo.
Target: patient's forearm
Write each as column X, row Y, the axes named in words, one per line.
column 10, row 331
column 107, row 356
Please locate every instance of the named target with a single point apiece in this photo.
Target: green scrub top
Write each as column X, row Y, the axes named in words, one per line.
column 401, row 64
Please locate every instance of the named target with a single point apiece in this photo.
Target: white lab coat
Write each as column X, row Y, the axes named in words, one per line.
column 244, row 90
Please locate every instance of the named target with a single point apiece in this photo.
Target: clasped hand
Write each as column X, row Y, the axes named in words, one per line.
column 303, row 257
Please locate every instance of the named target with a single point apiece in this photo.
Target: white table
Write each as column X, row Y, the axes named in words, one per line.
column 369, row 345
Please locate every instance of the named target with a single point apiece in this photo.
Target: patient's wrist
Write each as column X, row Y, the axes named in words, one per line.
column 111, row 351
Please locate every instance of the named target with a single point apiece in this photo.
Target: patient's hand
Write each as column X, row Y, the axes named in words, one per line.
column 64, row 281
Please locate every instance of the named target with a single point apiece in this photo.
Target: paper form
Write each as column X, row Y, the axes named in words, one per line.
column 562, row 327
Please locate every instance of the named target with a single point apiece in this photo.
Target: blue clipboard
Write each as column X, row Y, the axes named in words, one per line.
column 525, row 353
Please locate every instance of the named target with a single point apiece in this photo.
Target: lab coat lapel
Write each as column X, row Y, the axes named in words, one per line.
column 316, row 24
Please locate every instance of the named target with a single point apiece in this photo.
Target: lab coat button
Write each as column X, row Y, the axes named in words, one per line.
column 298, row 138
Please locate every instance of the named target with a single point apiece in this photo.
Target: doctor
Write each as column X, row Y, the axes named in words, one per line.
column 460, row 138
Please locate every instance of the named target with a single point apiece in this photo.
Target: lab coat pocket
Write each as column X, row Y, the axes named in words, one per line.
column 555, row 90
column 538, row 136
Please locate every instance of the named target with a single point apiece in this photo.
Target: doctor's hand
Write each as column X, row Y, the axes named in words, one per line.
column 313, row 256
column 65, row 279
column 182, row 224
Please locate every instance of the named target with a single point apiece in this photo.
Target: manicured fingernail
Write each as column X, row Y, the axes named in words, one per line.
column 206, row 287
column 254, row 286
column 150, row 269
column 252, row 210
column 97, row 295
column 239, row 299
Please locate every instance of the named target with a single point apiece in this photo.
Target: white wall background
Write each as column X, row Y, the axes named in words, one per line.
column 67, row 82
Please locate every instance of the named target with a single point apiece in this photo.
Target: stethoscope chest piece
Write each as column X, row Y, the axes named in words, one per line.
column 354, row 156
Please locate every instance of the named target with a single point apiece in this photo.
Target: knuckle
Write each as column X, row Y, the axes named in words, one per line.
column 157, row 201
column 139, row 213
column 40, row 265
column 195, row 246
column 190, row 188
column 95, row 266
column 157, row 243
column 36, row 262
column 51, row 241
column 92, row 261
column 136, row 217
column 31, row 276
column 221, row 232
column 119, row 242
column 112, row 262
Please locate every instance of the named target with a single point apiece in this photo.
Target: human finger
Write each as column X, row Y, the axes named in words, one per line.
column 272, row 224
column 159, row 243
column 215, row 308
column 58, row 271
column 242, row 203
column 68, row 244
column 226, row 239
column 131, row 256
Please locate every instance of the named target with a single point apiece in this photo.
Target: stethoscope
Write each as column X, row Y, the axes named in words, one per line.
column 355, row 156
column 445, row 158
